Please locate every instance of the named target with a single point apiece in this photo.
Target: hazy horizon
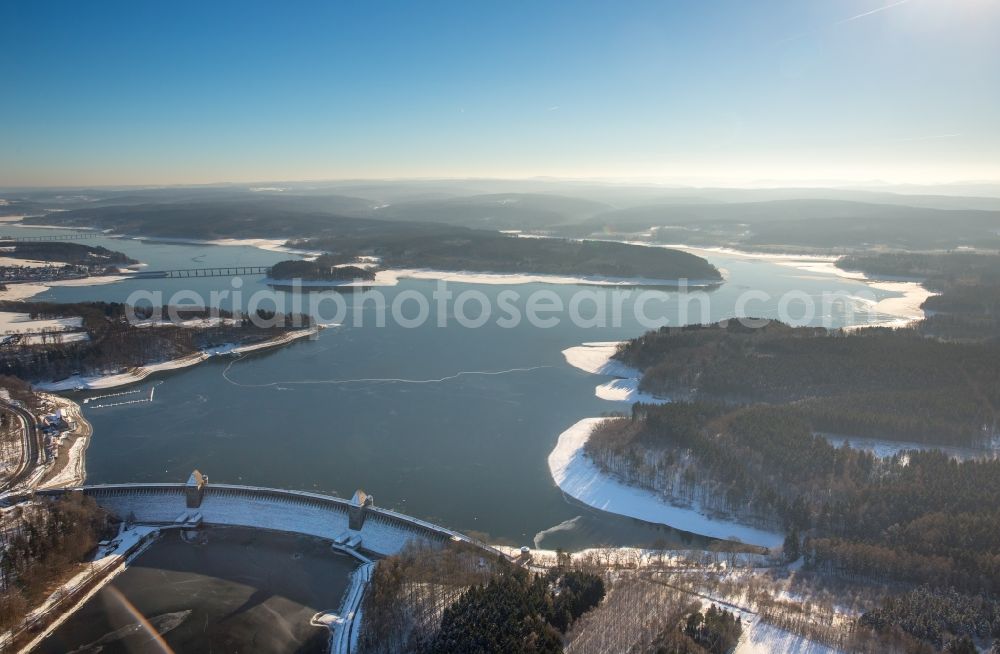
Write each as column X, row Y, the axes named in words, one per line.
column 722, row 94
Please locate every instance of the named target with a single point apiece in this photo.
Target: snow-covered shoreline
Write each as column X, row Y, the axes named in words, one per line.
column 905, row 309
column 23, row 291
column 266, row 244
column 597, row 358
column 577, row 476
column 94, row 382
column 392, row 276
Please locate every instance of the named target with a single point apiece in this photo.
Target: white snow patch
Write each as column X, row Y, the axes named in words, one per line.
column 28, row 263
column 60, row 338
column 391, row 277
column 267, row 244
column 762, row 638
column 21, row 291
column 626, row 390
column 885, row 449
column 22, row 323
column 597, row 358
column 471, row 277
column 190, row 324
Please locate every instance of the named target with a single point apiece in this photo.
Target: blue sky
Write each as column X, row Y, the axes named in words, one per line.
column 702, row 91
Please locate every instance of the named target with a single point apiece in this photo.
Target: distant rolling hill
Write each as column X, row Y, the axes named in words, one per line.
column 814, row 223
column 497, row 211
column 401, row 243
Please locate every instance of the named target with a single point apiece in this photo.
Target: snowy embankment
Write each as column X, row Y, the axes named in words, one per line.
column 597, row 358
column 391, row 277
column 578, row 476
column 132, row 375
column 22, row 291
column 266, row 244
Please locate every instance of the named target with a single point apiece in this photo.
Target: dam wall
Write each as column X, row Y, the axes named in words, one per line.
column 384, row 532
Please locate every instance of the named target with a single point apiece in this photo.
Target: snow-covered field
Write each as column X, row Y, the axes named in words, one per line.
column 762, row 638
column 190, row 324
column 41, row 331
column 63, row 337
column 391, row 277
column 22, row 323
column 626, row 390
column 26, row 263
column 577, row 476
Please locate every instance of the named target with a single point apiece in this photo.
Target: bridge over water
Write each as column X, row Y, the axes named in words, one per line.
column 184, row 273
column 52, row 237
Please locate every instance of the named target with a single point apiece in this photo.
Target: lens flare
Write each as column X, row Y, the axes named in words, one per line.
column 140, row 619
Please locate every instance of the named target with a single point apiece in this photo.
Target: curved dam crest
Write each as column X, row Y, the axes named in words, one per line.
column 383, row 532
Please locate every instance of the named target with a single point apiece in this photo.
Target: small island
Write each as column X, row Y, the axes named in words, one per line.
column 325, row 268
column 468, row 250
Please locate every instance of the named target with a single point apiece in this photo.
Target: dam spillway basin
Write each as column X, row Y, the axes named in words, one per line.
column 228, row 590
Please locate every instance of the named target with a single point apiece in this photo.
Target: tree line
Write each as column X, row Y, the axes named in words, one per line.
column 115, row 344
column 431, row 600
column 877, row 382
column 326, row 267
